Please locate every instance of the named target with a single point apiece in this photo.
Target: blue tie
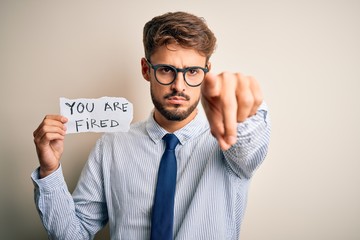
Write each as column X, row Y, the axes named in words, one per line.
column 163, row 209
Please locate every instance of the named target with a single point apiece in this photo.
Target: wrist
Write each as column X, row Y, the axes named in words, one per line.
column 44, row 172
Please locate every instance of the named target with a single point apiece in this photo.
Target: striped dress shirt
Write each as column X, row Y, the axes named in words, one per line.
column 117, row 184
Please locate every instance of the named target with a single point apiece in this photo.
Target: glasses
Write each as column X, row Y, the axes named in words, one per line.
column 166, row 74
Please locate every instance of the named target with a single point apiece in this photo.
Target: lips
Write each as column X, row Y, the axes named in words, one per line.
column 176, row 100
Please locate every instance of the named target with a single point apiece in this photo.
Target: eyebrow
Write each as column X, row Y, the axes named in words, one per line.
column 184, row 67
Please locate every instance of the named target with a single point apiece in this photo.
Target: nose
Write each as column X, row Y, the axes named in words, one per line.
column 179, row 83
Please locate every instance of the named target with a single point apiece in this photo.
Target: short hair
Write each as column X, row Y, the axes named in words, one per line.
column 185, row 29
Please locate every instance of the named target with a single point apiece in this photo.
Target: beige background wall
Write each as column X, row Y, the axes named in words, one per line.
column 306, row 55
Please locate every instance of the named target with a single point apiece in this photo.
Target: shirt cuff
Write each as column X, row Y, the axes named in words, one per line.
column 50, row 182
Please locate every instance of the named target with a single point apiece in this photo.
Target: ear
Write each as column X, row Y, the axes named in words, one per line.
column 145, row 69
column 209, row 65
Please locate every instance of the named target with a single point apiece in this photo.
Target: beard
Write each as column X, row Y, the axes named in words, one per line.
column 176, row 114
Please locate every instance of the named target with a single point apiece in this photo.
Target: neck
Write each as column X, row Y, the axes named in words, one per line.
column 170, row 125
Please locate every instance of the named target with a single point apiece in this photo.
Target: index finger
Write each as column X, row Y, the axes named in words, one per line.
column 59, row 118
column 211, row 86
column 51, row 120
column 229, row 106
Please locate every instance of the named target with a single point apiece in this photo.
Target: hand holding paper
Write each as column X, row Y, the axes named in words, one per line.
column 49, row 142
column 105, row 114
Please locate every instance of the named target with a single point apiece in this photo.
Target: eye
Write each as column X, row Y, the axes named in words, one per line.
column 166, row 70
column 193, row 71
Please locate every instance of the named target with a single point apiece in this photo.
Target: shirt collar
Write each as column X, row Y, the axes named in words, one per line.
column 193, row 129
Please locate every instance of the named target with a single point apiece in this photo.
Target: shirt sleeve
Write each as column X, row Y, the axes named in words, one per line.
column 63, row 215
column 253, row 137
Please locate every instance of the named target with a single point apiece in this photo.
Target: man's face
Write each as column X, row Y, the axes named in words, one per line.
column 177, row 101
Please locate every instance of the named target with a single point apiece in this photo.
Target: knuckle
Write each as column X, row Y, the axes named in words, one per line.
column 245, row 80
column 47, row 135
column 46, row 121
column 239, row 75
column 258, row 100
column 37, row 140
column 225, row 74
column 247, row 100
column 251, row 78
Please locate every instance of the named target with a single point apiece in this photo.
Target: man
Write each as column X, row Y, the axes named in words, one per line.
column 215, row 156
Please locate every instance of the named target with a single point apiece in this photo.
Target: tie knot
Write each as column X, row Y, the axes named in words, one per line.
column 171, row 141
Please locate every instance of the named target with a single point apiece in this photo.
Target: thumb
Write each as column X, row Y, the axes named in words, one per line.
column 211, row 86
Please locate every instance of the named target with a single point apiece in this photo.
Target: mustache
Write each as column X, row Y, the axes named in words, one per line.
column 177, row 94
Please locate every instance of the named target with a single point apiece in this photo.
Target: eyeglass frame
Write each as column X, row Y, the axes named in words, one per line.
column 177, row 70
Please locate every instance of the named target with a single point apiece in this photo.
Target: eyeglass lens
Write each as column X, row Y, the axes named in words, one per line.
column 167, row 74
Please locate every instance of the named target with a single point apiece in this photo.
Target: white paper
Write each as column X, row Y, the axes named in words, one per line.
column 106, row 114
